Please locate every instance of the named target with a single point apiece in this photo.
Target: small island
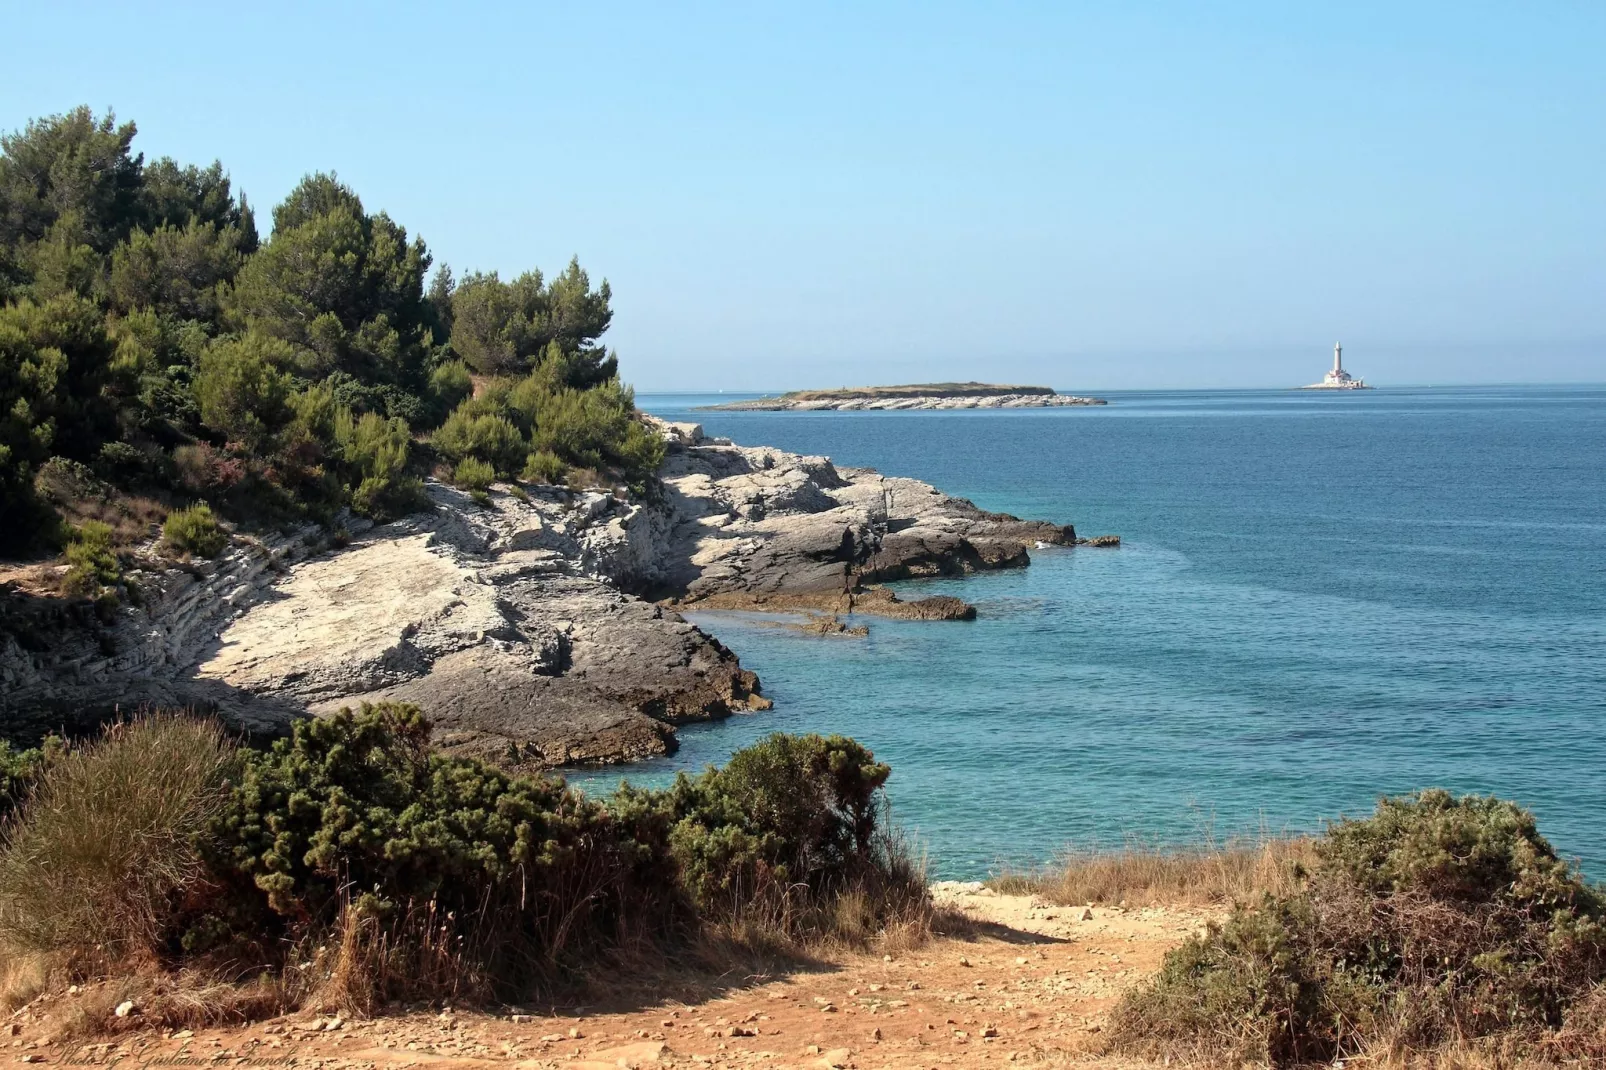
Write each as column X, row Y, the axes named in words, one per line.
column 912, row 396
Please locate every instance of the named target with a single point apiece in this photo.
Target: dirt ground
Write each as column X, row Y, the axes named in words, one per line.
column 1029, row 983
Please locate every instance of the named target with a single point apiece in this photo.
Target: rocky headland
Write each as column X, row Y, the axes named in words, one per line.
column 914, row 396
column 539, row 628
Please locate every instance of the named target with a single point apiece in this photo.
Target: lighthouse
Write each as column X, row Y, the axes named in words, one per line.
column 1338, row 378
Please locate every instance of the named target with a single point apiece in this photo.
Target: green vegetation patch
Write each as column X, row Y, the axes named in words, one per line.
column 194, row 531
column 152, row 338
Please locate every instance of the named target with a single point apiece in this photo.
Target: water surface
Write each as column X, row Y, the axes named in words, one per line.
column 1320, row 598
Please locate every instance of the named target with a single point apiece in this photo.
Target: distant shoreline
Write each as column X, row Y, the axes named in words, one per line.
column 912, row 396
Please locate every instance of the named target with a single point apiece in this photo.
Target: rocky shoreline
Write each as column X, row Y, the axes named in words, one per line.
column 539, row 629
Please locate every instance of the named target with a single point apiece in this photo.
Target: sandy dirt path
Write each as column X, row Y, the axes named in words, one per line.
column 1028, row 983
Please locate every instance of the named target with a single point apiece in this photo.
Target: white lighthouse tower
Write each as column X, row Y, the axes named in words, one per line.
column 1338, row 378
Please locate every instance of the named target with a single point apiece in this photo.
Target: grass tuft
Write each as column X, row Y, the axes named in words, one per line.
column 91, row 866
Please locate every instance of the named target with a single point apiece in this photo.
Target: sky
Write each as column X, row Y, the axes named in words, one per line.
column 1083, row 195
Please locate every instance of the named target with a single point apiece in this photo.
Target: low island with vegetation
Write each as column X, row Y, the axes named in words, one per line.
column 912, row 396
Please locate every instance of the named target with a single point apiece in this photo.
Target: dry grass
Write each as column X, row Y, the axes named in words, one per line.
column 133, row 519
column 887, row 909
column 23, row 977
column 1142, row 875
column 91, row 864
column 1492, row 1054
column 190, row 999
column 587, row 479
column 416, row 953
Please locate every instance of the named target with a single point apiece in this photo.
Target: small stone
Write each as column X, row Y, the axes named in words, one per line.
column 829, row 1008
column 575, row 1034
column 836, row 1058
column 989, row 1031
column 912, row 986
column 526, row 1019
column 964, row 960
column 125, row 1008
column 1020, row 961
column 1087, row 914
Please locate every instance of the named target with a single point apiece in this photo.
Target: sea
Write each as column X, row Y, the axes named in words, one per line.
column 1320, row 598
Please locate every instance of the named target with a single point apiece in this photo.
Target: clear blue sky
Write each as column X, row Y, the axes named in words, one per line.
column 1091, row 195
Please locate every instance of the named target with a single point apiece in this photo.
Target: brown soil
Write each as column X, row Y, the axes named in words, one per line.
column 1022, row 982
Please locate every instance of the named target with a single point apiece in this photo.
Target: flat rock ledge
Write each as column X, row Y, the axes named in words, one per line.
column 538, row 630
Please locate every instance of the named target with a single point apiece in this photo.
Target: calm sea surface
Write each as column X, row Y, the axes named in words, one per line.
column 1320, row 598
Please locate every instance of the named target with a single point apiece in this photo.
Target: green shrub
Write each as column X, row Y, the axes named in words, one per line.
column 1470, row 849
column 377, row 453
column 18, row 771
column 126, row 465
column 530, row 870
column 104, row 849
column 449, row 385
column 485, row 437
column 473, row 474
column 194, row 531
column 92, row 566
column 242, row 391
column 543, row 466
column 790, row 826
column 1435, row 920
column 594, row 428
column 64, row 482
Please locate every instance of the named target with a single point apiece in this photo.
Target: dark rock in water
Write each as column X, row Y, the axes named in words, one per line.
column 825, row 624
column 1099, row 541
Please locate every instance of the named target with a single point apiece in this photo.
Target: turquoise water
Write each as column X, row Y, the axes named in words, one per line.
column 1320, row 598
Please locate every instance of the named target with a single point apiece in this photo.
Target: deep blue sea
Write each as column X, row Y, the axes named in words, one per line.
column 1320, row 598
